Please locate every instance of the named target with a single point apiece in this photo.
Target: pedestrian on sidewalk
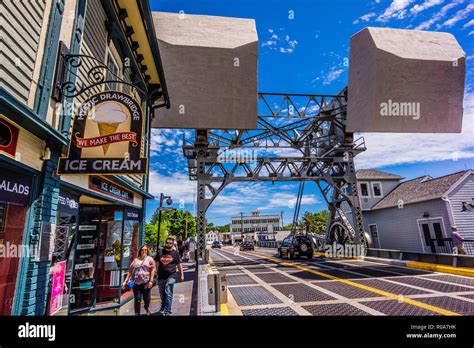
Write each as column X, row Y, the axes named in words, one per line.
column 180, row 248
column 458, row 241
column 186, row 249
column 168, row 260
column 142, row 272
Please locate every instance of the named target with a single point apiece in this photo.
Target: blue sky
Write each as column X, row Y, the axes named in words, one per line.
column 304, row 48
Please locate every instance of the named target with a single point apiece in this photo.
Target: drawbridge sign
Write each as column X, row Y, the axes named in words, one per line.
column 106, row 137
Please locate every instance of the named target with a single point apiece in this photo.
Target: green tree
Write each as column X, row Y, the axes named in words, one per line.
column 181, row 223
column 315, row 222
column 151, row 232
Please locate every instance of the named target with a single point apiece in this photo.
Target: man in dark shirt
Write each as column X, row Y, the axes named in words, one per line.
column 167, row 260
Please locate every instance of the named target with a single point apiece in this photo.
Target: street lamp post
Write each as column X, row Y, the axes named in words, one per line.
column 242, row 226
column 160, row 209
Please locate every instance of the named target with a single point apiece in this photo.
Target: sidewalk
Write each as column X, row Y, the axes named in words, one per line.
column 184, row 295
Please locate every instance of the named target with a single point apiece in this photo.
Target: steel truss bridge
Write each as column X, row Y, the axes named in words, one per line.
column 299, row 138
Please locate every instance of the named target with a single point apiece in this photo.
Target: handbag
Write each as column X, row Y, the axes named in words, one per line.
column 131, row 283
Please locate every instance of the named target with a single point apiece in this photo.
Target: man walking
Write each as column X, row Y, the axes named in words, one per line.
column 457, row 241
column 167, row 260
column 180, row 247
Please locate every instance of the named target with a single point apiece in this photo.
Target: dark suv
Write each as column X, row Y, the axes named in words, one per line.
column 296, row 246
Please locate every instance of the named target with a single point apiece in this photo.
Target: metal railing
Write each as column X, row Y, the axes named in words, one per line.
column 446, row 246
column 268, row 244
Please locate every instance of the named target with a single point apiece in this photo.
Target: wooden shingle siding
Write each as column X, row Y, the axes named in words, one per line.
column 20, row 30
column 464, row 220
column 94, row 43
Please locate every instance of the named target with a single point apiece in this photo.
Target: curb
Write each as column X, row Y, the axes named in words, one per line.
column 462, row 271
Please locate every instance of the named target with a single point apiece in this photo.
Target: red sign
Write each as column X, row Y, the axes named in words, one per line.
column 57, row 289
column 106, row 139
column 8, row 137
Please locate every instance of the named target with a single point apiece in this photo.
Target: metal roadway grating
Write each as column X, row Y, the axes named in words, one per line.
column 371, row 272
column 308, row 275
column 404, row 271
column 341, row 274
column 471, row 297
column 431, row 285
column 334, row 264
column 258, row 269
column 334, row 309
column 451, row 304
column 302, row 293
column 393, row 307
column 453, row 279
column 270, row 278
column 229, row 270
column 347, row 291
column 396, row 289
column 282, row 311
column 253, row 295
column 240, row 279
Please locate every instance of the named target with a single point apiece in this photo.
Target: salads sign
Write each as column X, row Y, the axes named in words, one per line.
column 106, row 137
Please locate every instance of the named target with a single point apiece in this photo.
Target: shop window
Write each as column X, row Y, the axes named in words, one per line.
column 3, row 217
column 85, row 259
column 15, row 190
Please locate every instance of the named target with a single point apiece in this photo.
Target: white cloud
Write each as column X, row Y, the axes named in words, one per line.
column 424, row 6
column 282, row 44
column 460, row 15
column 178, row 186
column 384, row 149
column 332, row 76
column 439, row 15
column 397, row 9
column 471, row 33
column 469, row 24
column 365, row 17
column 281, row 199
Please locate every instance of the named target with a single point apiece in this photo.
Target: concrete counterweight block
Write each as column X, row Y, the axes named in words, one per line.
column 210, row 66
column 407, row 81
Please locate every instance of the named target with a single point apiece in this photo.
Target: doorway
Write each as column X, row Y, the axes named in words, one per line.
column 433, row 235
column 374, row 233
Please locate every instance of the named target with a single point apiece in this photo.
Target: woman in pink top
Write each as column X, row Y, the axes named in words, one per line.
column 142, row 270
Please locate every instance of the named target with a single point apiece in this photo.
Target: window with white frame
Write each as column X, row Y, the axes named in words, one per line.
column 364, row 189
column 113, row 72
column 377, row 189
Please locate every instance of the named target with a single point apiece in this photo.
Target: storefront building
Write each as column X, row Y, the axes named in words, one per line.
column 90, row 225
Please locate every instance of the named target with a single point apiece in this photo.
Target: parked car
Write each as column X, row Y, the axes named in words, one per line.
column 247, row 245
column 216, row 244
column 295, row 246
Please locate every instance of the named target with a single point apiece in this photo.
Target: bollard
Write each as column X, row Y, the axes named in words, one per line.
column 217, row 282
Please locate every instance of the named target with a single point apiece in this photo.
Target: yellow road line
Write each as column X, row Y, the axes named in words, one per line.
column 319, row 253
column 463, row 271
column 224, row 309
column 367, row 288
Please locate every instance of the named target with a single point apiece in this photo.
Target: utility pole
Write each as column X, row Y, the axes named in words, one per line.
column 160, row 209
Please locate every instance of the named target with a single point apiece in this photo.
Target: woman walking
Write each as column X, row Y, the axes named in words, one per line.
column 142, row 272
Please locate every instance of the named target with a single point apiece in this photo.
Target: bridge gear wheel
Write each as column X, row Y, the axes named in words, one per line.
column 339, row 234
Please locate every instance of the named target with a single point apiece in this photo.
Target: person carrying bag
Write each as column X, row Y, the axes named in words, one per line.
column 140, row 279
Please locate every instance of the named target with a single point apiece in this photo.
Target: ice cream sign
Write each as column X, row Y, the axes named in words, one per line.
column 106, row 137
